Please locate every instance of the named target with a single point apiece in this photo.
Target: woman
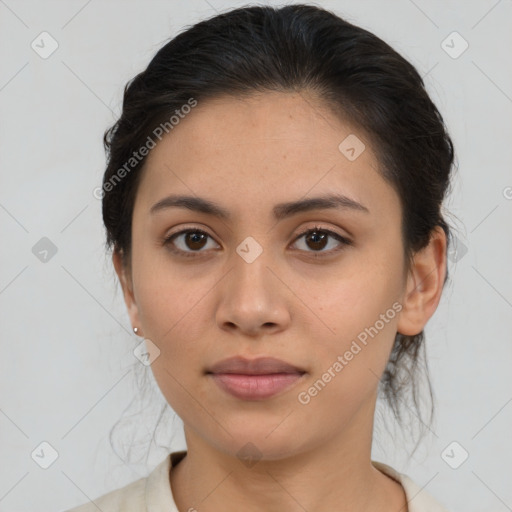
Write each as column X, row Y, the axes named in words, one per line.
column 273, row 201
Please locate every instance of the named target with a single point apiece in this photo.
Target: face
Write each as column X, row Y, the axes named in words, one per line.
column 252, row 284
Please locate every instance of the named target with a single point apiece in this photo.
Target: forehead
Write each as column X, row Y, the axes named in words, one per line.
column 266, row 148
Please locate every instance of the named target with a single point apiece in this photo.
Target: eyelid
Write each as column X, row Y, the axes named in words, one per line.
column 167, row 240
column 342, row 239
column 318, row 227
column 185, row 228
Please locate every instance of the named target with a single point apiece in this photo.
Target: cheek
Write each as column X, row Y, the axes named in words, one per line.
column 347, row 369
column 348, row 303
column 170, row 297
column 174, row 316
column 176, row 324
column 361, row 313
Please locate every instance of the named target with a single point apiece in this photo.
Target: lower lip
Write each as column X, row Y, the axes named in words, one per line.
column 255, row 387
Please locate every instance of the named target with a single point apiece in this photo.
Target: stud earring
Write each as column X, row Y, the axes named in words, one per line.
column 135, row 330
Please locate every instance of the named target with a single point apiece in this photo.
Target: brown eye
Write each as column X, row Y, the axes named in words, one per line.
column 188, row 241
column 195, row 240
column 191, row 242
column 316, row 239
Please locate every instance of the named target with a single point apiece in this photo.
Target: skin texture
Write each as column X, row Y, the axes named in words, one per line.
column 248, row 155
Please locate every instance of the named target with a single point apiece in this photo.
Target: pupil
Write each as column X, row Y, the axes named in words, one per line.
column 319, row 240
column 316, row 238
column 196, row 238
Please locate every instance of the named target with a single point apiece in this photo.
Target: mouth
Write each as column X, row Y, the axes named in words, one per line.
column 256, row 379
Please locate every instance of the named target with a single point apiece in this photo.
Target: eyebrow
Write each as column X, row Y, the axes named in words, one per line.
column 280, row 211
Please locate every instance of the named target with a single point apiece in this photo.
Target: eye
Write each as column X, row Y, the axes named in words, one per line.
column 318, row 239
column 194, row 239
column 189, row 242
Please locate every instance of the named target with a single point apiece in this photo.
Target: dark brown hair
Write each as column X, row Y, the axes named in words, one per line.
column 298, row 48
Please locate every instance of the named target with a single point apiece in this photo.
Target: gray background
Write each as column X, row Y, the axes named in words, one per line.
column 67, row 365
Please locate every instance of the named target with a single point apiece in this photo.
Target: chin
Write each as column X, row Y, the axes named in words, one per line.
column 256, row 444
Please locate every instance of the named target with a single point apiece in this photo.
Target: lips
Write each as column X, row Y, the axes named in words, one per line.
column 259, row 366
column 255, row 379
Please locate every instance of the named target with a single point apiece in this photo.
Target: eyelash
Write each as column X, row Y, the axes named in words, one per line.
column 167, row 241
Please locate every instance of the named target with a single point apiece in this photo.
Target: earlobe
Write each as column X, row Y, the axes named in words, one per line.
column 424, row 285
column 125, row 280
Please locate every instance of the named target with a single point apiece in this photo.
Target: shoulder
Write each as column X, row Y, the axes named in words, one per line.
column 151, row 492
column 129, row 498
column 418, row 499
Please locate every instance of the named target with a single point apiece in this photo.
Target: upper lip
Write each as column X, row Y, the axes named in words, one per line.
column 258, row 366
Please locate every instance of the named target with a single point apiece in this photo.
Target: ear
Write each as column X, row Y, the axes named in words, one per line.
column 424, row 285
column 125, row 279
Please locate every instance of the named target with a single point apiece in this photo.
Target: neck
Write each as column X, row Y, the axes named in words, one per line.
column 335, row 474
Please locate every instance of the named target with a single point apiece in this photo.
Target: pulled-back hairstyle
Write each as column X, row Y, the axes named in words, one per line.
column 298, row 48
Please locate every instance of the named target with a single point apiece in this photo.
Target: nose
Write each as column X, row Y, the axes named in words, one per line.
column 253, row 300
